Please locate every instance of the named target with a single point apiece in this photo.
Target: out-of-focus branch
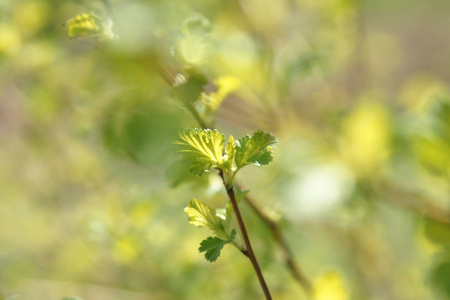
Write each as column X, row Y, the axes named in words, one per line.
column 288, row 257
column 170, row 80
column 107, row 5
column 413, row 201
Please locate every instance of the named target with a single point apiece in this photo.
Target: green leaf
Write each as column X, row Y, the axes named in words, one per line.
column 190, row 89
column 437, row 233
column 194, row 45
column 256, row 149
column 71, row 298
column 213, row 245
column 177, row 174
column 225, row 86
column 201, row 149
column 439, row 277
column 201, row 215
column 89, row 24
column 440, row 113
column 230, row 151
column 229, row 211
column 240, row 194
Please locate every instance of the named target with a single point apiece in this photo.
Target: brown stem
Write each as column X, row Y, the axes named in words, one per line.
column 273, row 226
column 249, row 252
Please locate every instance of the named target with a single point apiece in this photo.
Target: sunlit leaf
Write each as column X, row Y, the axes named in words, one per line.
column 256, row 149
column 89, row 24
column 225, row 86
column 10, row 39
column 201, row 149
column 439, row 278
column 230, row 151
column 201, row 215
column 32, row 16
column 213, row 245
column 367, row 135
column 330, row 286
column 433, row 153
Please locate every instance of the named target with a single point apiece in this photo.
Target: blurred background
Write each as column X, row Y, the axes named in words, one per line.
column 92, row 196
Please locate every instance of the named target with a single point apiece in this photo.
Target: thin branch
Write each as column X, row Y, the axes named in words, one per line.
column 414, row 201
column 196, row 115
column 170, row 80
column 250, row 254
column 165, row 75
column 107, row 6
column 271, row 224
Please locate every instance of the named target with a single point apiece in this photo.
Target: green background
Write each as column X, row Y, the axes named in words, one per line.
column 355, row 91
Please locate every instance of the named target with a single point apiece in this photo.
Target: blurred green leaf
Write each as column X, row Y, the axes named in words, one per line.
column 194, row 45
column 240, row 194
column 439, row 278
column 433, row 153
column 136, row 128
column 89, row 25
column 437, row 233
column 213, row 245
column 256, row 149
column 441, row 123
column 177, row 174
column 189, row 89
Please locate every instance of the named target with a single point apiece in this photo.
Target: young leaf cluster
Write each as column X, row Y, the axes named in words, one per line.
column 203, row 149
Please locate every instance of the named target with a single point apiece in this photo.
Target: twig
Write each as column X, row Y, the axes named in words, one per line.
column 271, row 224
column 251, row 255
column 415, row 202
column 107, row 6
column 196, row 115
